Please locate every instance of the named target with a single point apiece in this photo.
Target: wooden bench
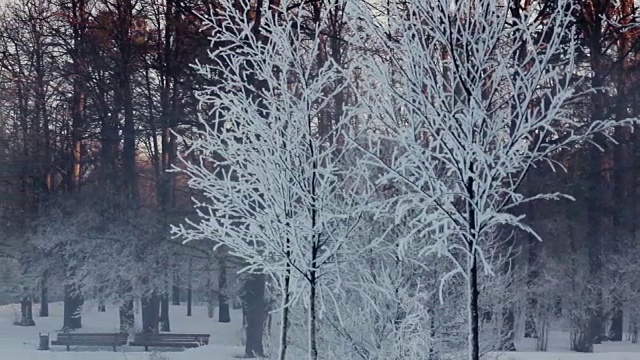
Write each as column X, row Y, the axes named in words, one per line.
column 91, row 339
column 170, row 340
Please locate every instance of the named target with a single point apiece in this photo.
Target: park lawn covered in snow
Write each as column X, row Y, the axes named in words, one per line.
column 559, row 350
column 18, row 343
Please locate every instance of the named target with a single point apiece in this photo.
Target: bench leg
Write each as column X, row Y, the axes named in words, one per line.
column 114, row 349
column 146, row 348
column 67, row 347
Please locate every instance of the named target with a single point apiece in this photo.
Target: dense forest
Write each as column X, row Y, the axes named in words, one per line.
column 373, row 175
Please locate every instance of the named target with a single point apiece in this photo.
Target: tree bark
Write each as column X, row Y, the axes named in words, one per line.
column 624, row 163
column 255, row 309
column 44, row 296
column 150, row 314
column 127, row 317
column 73, row 303
column 175, row 295
column 164, row 314
column 189, row 304
column 223, row 302
column 26, row 311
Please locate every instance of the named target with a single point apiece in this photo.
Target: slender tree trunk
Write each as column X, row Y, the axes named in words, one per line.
column 474, row 319
column 473, row 292
column 189, row 295
column 223, row 302
column 313, row 318
column 189, row 304
column 44, row 296
column 211, row 306
column 164, row 314
column 284, row 321
column 175, row 295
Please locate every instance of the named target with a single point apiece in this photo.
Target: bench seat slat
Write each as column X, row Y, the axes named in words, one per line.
column 170, row 340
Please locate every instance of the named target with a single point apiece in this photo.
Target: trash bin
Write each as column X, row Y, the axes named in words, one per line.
column 44, row 341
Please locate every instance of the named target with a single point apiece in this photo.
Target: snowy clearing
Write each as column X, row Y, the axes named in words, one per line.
column 17, row 342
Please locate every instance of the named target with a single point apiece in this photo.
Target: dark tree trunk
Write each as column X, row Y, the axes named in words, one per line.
column 26, row 312
column 44, row 298
column 616, row 330
column 73, row 303
column 210, row 301
column 150, row 314
column 127, row 317
column 223, row 302
column 472, row 260
column 623, row 166
column 164, row 314
column 189, row 312
column 255, row 311
column 474, row 323
column 223, row 310
column 175, row 295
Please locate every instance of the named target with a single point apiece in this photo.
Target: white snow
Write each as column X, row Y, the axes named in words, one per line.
column 18, row 343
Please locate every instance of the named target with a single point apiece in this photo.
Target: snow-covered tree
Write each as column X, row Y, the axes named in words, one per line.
column 269, row 158
column 455, row 102
column 471, row 98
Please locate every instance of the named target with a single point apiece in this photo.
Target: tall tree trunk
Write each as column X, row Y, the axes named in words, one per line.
column 73, row 300
column 44, row 296
column 126, row 316
column 472, row 272
column 26, row 311
column 189, row 304
column 474, row 319
column 223, row 302
column 189, row 299
column 164, row 313
column 624, row 163
column 255, row 311
column 73, row 303
column 151, row 314
column 175, row 295
column 284, row 321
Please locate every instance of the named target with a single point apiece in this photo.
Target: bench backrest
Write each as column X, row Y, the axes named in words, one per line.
column 97, row 337
column 172, row 337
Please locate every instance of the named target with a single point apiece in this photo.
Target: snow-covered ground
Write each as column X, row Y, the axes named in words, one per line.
column 559, row 350
column 21, row 343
